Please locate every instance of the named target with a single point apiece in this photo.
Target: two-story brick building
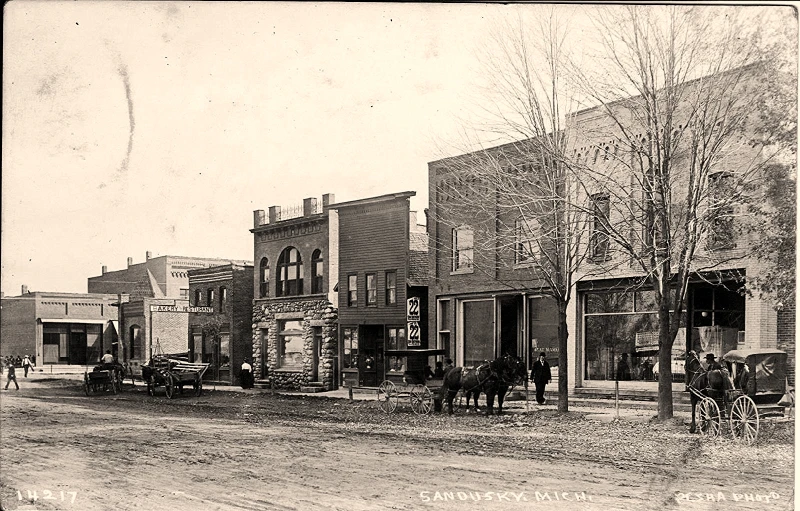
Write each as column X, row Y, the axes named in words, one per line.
column 222, row 337
column 294, row 314
column 381, row 265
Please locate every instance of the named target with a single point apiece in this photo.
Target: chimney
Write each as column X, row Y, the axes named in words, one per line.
column 148, row 255
column 104, row 269
column 130, row 261
column 412, row 221
column 327, row 200
column 274, row 214
column 24, row 289
column 258, row 217
column 309, row 206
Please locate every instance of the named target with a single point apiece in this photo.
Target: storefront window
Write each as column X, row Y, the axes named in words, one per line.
column 290, row 344
column 350, row 347
column 478, row 332
column 543, row 331
column 397, row 341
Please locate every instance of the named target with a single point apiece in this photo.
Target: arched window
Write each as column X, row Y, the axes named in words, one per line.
column 317, row 272
column 263, row 289
column 290, row 273
column 198, row 297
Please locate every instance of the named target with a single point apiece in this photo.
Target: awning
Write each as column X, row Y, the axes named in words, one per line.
column 75, row 320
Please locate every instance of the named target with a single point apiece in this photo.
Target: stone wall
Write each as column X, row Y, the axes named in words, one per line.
column 314, row 312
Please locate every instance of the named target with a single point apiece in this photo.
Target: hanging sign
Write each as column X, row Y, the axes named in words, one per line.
column 412, row 309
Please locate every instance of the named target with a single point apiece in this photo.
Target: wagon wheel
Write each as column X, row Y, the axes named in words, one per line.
column 387, row 396
column 86, row 384
column 421, row 400
column 151, row 385
column 744, row 420
column 198, row 387
column 169, row 386
column 710, row 419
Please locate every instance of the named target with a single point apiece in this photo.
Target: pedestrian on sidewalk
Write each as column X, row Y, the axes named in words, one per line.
column 12, row 375
column 246, row 375
column 26, row 365
column 540, row 374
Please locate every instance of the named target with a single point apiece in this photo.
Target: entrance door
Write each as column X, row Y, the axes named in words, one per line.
column 77, row 348
column 371, row 370
column 317, row 363
column 509, row 325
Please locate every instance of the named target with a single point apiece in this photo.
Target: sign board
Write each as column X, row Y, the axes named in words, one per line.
column 413, row 333
column 412, row 309
column 180, row 308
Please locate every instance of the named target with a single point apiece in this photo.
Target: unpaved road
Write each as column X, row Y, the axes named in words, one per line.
column 230, row 450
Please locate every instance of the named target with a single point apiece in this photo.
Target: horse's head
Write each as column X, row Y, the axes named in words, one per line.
column 692, row 364
column 510, row 369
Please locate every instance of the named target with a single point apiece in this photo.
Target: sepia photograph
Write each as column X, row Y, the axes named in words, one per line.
column 398, row 256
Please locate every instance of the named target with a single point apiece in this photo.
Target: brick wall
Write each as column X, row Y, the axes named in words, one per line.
column 787, row 339
column 17, row 326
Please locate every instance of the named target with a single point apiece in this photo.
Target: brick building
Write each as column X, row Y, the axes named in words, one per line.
column 59, row 328
column 294, row 314
column 224, row 337
column 382, row 263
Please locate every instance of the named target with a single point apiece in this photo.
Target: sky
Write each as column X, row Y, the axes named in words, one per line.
column 160, row 126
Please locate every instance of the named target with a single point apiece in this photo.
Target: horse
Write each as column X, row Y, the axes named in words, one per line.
column 509, row 371
column 470, row 380
column 702, row 381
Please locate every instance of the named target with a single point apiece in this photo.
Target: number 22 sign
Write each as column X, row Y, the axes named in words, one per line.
column 412, row 309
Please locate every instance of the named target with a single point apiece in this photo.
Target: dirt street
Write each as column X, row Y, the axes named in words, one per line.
column 230, row 450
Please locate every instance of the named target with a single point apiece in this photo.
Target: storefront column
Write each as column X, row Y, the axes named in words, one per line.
column 574, row 353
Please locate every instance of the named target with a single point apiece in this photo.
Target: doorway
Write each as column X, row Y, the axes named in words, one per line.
column 371, row 362
column 509, row 325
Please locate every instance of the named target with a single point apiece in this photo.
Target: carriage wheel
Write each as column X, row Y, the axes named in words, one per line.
column 198, row 388
column 151, row 385
column 387, row 396
column 86, row 385
column 421, row 400
column 169, row 386
column 744, row 420
column 710, row 419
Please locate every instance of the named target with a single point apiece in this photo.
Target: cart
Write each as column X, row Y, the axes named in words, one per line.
column 103, row 378
column 757, row 397
column 411, row 383
column 173, row 374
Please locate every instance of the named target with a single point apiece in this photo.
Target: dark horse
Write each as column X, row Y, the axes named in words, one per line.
column 494, row 378
column 703, row 383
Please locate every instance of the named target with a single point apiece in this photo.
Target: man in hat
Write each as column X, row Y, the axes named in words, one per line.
column 540, row 374
column 711, row 363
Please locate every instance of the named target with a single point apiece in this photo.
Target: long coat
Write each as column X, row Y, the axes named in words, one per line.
column 541, row 372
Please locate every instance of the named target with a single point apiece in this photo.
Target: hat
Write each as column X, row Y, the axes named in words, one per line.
column 543, row 354
column 710, row 356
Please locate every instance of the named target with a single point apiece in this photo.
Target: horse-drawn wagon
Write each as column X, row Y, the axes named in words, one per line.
column 748, row 392
column 102, row 378
column 173, row 374
column 411, row 383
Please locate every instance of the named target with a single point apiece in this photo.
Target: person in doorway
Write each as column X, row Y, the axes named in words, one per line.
column 26, row 365
column 540, row 374
column 448, row 364
column 12, row 375
column 623, row 369
column 439, row 371
column 246, row 375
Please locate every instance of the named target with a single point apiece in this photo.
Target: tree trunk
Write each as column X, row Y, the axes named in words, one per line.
column 563, row 337
column 664, row 362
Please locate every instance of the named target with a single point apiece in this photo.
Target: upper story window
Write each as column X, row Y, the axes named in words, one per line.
column 462, row 249
column 526, row 248
column 223, row 298
column 391, row 287
column 352, row 290
column 372, row 289
column 263, row 277
column 185, row 293
column 198, row 297
column 720, row 188
column 598, row 240
column 290, row 273
column 210, row 297
column 317, row 272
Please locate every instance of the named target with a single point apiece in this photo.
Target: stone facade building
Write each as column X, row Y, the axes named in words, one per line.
column 294, row 314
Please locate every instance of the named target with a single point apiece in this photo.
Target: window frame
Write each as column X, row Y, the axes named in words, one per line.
column 317, row 278
column 391, row 290
column 468, row 263
column 599, row 239
column 223, row 298
column 281, row 348
column 371, row 292
column 286, row 286
column 352, row 290
column 521, row 239
column 721, row 232
column 198, row 297
column 210, row 297
column 263, row 278
column 350, row 342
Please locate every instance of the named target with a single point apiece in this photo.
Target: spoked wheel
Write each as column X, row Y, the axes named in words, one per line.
column 169, row 386
column 710, row 419
column 86, row 385
column 151, row 385
column 198, row 388
column 421, row 400
column 387, row 396
column 744, row 420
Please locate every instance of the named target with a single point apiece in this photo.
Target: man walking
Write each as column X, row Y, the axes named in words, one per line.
column 26, row 364
column 540, row 374
column 12, row 376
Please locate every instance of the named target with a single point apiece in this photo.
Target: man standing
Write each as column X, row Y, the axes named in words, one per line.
column 540, row 374
column 12, row 375
column 26, row 364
